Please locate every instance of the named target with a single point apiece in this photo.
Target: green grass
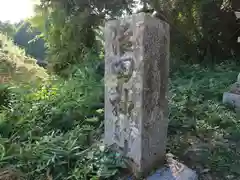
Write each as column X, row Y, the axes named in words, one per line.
column 49, row 129
column 17, row 65
column 203, row 132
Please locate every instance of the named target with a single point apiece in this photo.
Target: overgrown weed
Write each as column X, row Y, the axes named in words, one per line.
column 203, row 132
column 50, row 130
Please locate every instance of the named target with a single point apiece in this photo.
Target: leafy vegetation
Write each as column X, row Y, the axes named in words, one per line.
column 25, row 37
column 7, row 28
column 16, row 64
column 202, row 131
column 202, row 31
column 51, row 121
column 49, row 129
column 53, row 130
column 69, row 28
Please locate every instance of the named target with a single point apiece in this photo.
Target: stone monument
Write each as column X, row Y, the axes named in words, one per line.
column 136, row 86
column 232, row 97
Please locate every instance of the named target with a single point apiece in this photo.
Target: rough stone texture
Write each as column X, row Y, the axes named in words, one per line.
column 167, row 174
column 174, row 170
column 136, row 79
column 231, row 99
column 235, row 88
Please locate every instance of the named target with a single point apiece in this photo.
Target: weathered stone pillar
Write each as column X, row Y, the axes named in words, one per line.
column 136, row 81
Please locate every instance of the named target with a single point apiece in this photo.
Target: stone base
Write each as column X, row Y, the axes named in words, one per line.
column 167, row 174
column 231, row 99
column 172, row 170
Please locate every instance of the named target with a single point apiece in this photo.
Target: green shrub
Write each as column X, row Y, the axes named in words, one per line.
column 4, row 96
column 202, row 131
column 50, row 128
column 17, row 65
